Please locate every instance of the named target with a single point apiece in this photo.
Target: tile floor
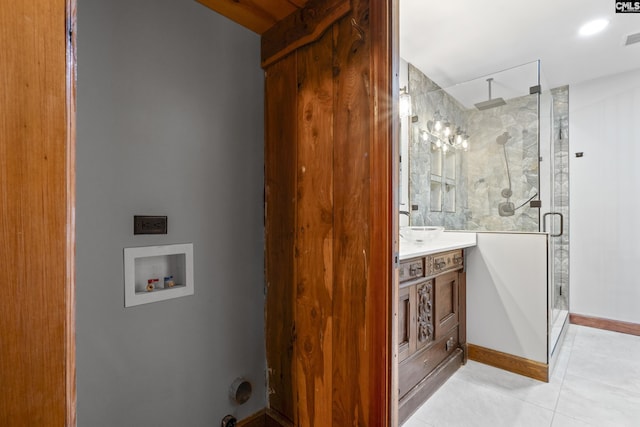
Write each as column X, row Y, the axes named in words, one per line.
column 595, row 383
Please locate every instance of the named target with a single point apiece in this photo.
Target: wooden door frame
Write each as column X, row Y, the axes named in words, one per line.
column 71, row 398
column 385, row 247
column 37, row 214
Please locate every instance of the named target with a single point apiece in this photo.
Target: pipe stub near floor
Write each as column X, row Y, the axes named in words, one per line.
column 240, row 391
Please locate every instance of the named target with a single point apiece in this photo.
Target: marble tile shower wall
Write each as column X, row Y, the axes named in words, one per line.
column 427, row 99
column 481, row 172
column 487, row 169
column 561, row 190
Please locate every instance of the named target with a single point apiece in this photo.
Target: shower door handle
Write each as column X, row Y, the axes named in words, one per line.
column 544, row 223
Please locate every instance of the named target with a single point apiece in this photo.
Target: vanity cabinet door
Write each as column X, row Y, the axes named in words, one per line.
column 446, row 303
column 405, row 323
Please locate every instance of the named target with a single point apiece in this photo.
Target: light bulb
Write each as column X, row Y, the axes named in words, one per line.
column 459, row 139
column 438, row 126
column 465, row 144
column 438, row 143
column 445, row 148
column 447, row 131
column 424, row 136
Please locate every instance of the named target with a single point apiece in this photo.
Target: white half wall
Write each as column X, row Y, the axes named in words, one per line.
column 604, row 117
column 507, row 294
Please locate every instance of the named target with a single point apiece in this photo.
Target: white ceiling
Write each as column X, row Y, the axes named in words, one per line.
column 453, row 42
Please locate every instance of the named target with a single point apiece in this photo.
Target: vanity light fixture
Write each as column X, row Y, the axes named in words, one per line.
column 593, row 27
column 442, row 136
column 404, row 103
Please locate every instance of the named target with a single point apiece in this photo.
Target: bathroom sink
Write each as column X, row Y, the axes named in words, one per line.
column 421, row 234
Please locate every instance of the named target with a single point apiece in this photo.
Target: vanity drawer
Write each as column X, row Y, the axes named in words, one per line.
column 446, row 261
column 412, row 269
column 418, row 366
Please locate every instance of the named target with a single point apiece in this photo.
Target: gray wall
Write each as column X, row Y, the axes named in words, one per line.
column 170, row 122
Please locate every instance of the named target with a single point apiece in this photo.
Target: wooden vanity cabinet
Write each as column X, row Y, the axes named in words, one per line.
column 431, row 326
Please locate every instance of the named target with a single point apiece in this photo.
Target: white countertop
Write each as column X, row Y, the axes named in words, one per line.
column 447, row 241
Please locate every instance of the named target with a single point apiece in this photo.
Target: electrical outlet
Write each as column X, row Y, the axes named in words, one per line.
column 147, row 224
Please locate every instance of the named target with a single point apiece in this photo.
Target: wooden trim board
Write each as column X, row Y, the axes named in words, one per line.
column 606, row 324
column 302, row 27
column 71, row 393
column 256, row 420
column 274, row 419
column 509, row 362
column 264, row 418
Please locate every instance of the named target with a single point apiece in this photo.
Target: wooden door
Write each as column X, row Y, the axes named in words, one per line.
column 329, row 214
column 37, row 108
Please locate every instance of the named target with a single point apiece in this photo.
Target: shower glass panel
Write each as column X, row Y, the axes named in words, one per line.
column 473, row 150
column 491, row 155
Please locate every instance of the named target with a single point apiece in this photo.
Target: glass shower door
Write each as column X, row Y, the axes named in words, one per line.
column 556, row 220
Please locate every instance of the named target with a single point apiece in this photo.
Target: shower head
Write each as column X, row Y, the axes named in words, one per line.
column 490, row 103
column 503, row 139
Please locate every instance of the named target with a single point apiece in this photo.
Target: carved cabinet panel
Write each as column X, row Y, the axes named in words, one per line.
column 424, row 316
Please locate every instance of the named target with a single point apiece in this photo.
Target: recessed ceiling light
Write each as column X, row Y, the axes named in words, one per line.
column 593, row 27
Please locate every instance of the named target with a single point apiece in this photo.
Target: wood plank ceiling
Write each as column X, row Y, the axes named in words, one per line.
column 256, row 15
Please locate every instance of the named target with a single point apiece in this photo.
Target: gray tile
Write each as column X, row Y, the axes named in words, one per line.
column 560, row 420
column 461, row 403
column 606, row 342
column 562, row 362
column 597, row 403
column 561, row 365
column 415, row 422
column 565, row 353
column 607, row 357
column 594, row 384
column 513, row 385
